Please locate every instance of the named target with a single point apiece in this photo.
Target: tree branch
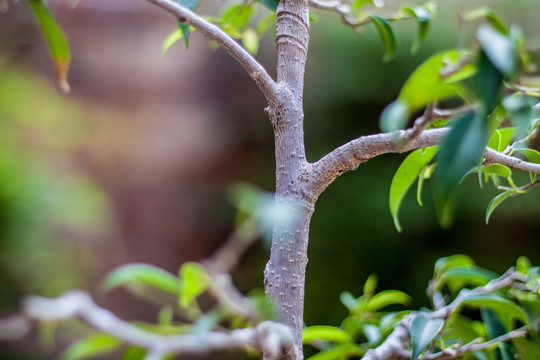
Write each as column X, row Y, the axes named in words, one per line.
column 394, row 345
column 268, row 337
column 255, row 70
column 350, row 155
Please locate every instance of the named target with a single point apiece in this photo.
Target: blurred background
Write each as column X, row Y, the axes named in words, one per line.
column 134, row 165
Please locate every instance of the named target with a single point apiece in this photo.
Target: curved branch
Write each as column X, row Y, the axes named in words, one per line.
column 268, row 337
column 350, row 155
column 255, row 70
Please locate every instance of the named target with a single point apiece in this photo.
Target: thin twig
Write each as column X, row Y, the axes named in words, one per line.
column 255, row 70
column 521, row 189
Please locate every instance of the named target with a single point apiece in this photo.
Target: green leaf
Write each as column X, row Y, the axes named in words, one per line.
column 250, row 40
column 395, row 116
column 172, row 38
column 500, row 49
column 405, row 176
column 341, row 351
column 423, row 17
column 191, row 5
column 326, row 333
column 387, row 37
column 386, row 298
column 370, row 285
column 237, row 16
column 531, row 155
column 527, row 349
column 424, row 174
column 497, row 200
column 491, row 17
column 501, row 138
column 195, row 281
column 520, row 110
column 56, row 40
column 505, row 308
column 497, row 169
column 142, row 274
column 448, row 262
column 423, row 330
column 523, row 265
column 358, row 4
column 92, row 346
column 459, row 276
column 425, row 84
column 459, row 152
column 270, row 4
column 347, row 299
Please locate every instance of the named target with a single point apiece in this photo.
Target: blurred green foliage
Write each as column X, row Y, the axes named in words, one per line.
column 46, row 201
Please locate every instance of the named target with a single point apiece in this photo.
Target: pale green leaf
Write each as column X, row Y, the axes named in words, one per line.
column 395, row 116
column 142, row 275
column 194, row 280
column 405, row 176
column 250, row 40
column 172, row 38
column 326, row 333
column 92, row 346
column 425, row 84
column 490, row 16
column 423, row 331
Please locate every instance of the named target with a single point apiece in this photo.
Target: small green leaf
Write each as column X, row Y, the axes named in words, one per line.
column 531, row 155
column 459, row 276
column 520, row 111
column 195, row 281
column 501, row 138
column 370, row 285
column 387, row 37
column 92, row 346
column 250, row 40
column 142, row 274
column 395, row 116
column 423, row 17
column 386, row 298
column 326, row 333
column 423, row 330
column 443, row 264
column 497, row 200
column 497, row 169
column 405, row 176
column 523, row 265
column 425, row 84
column 502, row 306
column 491, row 17
column 191, row 5
column 56, row 40
column 172, row 38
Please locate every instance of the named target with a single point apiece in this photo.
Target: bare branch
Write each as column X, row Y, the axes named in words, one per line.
column 268, row 337
column 493, row 157
column 255, row 70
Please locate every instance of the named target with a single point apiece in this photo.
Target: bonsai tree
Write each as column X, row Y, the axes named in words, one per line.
column 487, row 133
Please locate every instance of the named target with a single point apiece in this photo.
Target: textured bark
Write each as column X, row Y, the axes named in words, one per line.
column 284, row 275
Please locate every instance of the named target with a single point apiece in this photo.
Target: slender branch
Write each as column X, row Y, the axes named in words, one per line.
column 255, row 70
column 394, row 345
column 521, row 189
column 493, row 157
column 268, row 337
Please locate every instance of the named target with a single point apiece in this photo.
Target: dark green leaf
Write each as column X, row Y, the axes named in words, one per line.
column 423, row 17
column 423, row 330
column 488, row 83
column 395, row 116
column 405, row 176
column 387, row 37
column 195, row 281
column 92, row 346
column 56, row 40
column 271, row 4
column 491, row 17
column 425, row 85
column 326, row 333
column 460, row 151
column 191, row 5
column 497, row 200
column 142, row 274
